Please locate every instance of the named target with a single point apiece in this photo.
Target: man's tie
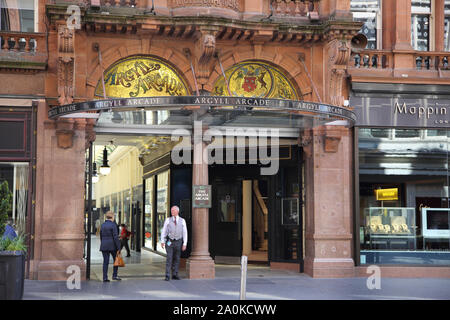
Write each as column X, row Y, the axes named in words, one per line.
column 175, row 221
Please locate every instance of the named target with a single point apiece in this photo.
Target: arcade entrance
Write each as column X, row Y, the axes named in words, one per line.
column 258, row 216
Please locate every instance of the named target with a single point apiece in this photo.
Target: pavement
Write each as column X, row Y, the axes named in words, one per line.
column 143, row 279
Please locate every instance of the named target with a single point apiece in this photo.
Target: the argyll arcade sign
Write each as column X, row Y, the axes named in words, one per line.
column 179, row 102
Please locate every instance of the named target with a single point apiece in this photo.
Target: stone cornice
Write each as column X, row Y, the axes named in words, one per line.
column 134, row 20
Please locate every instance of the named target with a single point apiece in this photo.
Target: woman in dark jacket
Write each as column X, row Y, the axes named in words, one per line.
column 109, row 245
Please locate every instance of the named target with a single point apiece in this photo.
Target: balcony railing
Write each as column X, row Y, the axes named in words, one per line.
column 293, row 7
column 22, row 42
column 372, row 59
column 384, row 59
column 121, row 3
column 23, row 50
column 432, row 60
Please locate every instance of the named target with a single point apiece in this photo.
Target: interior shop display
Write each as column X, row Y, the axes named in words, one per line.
column 390, row 227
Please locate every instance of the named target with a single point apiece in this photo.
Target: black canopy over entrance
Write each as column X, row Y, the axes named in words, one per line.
column 308, row 109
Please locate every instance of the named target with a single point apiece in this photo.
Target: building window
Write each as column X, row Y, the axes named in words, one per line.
column 447, row 25
column 162, row 204
column 404, row 202
column 420, row 24
column 17, row 15
column 16, row 175
column 369, row 13
column 148, row 211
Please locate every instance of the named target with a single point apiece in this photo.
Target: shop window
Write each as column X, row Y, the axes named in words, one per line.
column 15, row 135
column 16, row 174
column 17, row 15
column 420, row 24
column 369, row 13
column 148, row 212
column 447, row 25
column 126, row 196
column 404, row 197
column 162, row 203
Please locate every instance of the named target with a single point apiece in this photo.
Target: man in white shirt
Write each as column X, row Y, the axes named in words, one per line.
column 174, row 238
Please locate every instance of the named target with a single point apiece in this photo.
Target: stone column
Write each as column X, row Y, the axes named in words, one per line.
column 402, row 37
column 402, row 25
column 200, row 265
column 60, row 184
column 338, row 9
column 329, row 210
column 247, row 217
column 388, row 25
column 439, row 18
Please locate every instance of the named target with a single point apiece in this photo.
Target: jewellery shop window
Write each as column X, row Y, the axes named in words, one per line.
column 404, row 210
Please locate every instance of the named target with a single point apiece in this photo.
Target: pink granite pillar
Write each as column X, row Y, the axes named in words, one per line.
column 200, row 265
column 329, row 193
column 59, row 212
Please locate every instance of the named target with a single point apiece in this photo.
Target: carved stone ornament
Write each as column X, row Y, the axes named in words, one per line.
column 332, row 138
column 339, row 55
column 66, row 61
column 206, row 45
column 65, row 133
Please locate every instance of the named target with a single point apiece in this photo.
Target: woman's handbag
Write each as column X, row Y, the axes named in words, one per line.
column 118, row 262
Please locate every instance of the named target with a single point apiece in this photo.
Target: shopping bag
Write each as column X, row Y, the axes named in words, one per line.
column 118, row 262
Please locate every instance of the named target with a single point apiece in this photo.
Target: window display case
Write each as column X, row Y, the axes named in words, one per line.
column 390, row 227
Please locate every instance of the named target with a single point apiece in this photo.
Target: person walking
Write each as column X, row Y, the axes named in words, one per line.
column 98, row 224
column 174, row 238
column 109, row 245
column 124, row 236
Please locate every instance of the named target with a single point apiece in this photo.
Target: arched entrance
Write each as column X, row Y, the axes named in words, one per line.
column 243, row 135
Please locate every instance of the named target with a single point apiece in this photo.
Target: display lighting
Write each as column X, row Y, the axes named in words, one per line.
column 105, row 169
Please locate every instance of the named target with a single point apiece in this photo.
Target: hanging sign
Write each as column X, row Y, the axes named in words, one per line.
column 201, row 196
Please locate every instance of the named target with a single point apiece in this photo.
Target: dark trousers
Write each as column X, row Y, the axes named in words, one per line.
column 106, row 255
column 173, row 257
column 124, row 243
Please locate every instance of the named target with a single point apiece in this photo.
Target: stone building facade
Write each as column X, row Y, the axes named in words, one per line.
column 74, row 42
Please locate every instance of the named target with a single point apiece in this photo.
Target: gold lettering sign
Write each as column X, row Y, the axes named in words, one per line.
column 255, row 79
column 141, row 76
column 387, row 194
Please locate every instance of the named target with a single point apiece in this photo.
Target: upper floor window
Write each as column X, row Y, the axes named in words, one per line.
column 447, row 25
column 17, row 15
column 420, row 24
column 367, row 11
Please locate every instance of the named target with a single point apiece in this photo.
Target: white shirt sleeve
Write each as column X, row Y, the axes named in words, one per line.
column 164, row 231
column 185, row 234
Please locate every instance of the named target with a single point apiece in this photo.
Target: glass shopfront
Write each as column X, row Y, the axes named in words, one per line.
column 402, row 174
column 148, row 212
column 162, row 205
column 126, row 196
column 404, row 206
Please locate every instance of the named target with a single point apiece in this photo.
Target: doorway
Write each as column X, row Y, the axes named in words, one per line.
column 240, row 220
